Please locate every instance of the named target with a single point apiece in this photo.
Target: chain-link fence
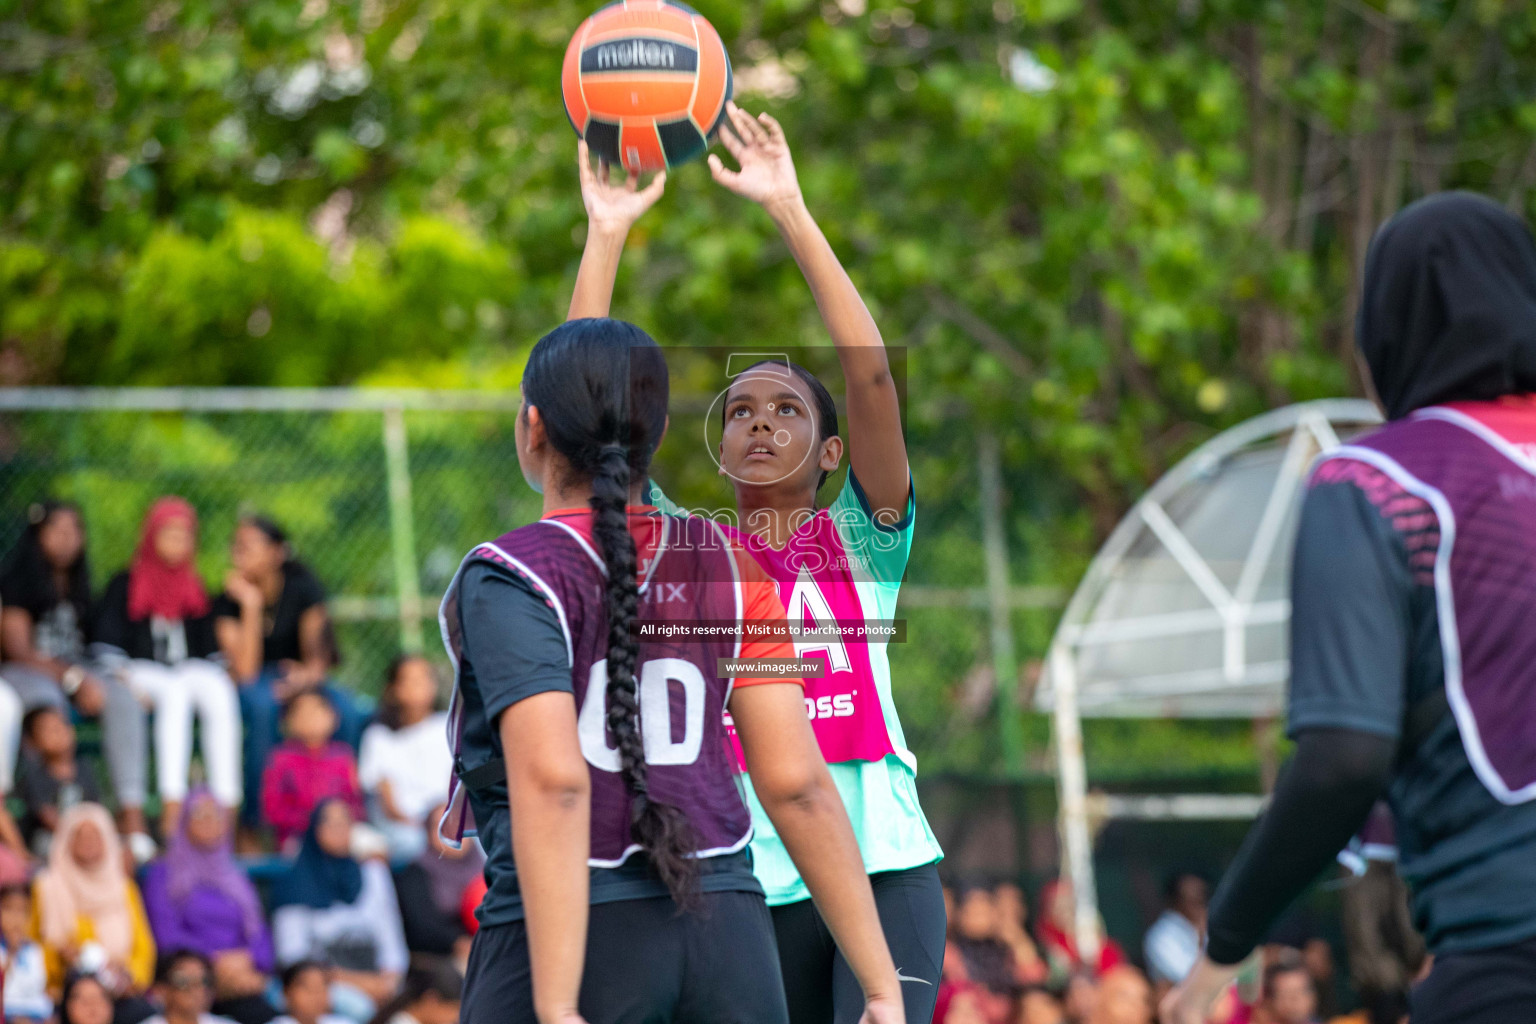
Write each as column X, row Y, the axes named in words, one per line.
column 381, row 492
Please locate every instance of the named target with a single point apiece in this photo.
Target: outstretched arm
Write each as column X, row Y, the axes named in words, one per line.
column 611, row 211
column 878, row 451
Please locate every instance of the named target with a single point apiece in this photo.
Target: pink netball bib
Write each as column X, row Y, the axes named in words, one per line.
column 816, row 581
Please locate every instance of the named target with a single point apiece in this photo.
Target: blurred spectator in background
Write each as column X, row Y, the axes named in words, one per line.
column 184, row 989
column 15, row 868
column 978, row 984
column 430, row 995
column 987, row 959
column 1058, row 911
column 469, row 909
column 198, row 898
column 1080, row 997
column 1124, row 997
column 404, row 763
column 1038, row 1006
column 1290, row 995
column 26, row 975
column 1317, row 958
column 11, row 839
column 331, row 908
column 1029, row 967
column 1172, row 945
column 431, row 890
column 276, row 636
column 962, row 1004
column 88, row 913
column 1298, row 937
column 45, row 586
column 54, row 778
column 87, row 1000
column 307, row 994
column 154, row 626
column 309, row 767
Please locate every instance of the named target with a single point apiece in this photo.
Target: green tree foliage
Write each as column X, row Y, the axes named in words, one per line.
column 1102, row 228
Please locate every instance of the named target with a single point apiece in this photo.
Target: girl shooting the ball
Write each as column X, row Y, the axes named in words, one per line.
column 607, row 749
column 842, row 564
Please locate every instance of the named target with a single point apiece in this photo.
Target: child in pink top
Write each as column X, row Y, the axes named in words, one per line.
column 308, row 768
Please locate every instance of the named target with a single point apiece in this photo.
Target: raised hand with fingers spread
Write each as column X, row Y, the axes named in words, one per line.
column 767, row 173
column 614, row 207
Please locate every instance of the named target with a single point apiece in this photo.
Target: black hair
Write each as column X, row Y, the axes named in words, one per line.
column 601, row 389
column 388, row 713
column 293, row 702
column 427, row 976
column 292, row 570
column 31, row 718
column 168, row 962
column 821, row 398
column 28, row 568
column 73, row 981
column 294, row 971
column 269, row 527
column 1175, row 880
column 971, row 886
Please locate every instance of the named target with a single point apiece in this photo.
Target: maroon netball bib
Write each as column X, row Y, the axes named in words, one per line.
column 687, row 575
column 1481, row 484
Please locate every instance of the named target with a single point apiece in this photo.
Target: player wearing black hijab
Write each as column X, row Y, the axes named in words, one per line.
column 1413, row 636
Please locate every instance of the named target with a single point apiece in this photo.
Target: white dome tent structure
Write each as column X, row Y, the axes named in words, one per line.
column 1185, row 612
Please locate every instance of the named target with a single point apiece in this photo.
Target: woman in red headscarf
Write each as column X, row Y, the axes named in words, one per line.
column 155, row 618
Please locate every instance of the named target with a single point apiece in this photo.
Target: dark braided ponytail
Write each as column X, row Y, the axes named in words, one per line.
column 601, row 388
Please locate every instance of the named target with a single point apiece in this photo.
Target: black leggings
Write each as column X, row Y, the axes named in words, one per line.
column 818, row 982
column 1488, row 986
column 646, row 964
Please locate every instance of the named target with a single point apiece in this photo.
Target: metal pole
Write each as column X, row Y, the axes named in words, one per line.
column 1072, row 795
column 994, row 539
column 401, row 531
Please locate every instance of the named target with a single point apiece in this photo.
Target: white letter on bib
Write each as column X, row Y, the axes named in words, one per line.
column 807, row 596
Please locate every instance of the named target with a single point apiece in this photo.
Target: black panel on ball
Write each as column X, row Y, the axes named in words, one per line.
column 730, row 92
column 680, row 141
column 603, row 139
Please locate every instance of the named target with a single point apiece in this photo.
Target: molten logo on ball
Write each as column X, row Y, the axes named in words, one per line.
column 636, row 53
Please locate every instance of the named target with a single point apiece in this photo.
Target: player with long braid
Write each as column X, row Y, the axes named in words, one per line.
column 596, row 765
column 837, row 568
column 659, row 827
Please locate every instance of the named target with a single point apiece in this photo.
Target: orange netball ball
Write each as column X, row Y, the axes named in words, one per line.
column 645, row 83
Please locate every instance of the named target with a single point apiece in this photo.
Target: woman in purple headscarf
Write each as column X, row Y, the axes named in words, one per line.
column 198, row 898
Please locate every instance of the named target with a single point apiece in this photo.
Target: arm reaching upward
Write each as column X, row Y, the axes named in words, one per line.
column 611, row 211
column 878, row 451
